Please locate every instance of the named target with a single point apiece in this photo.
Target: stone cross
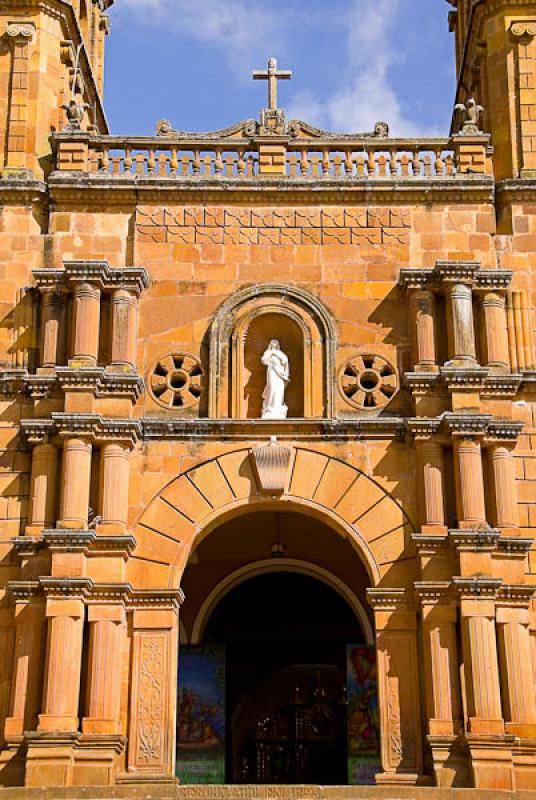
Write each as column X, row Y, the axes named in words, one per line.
column 272, row 75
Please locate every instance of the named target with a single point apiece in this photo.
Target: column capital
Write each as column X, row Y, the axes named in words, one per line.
column 523, row 28
column 457, row 272
column 493, row 281
column 20, row 32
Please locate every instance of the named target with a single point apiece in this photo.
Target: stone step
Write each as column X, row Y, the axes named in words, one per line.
column 266, row 792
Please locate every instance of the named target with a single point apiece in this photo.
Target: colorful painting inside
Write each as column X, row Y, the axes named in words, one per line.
column 201, row 715
column 363, row 719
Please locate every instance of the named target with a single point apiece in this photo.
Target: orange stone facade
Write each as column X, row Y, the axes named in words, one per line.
column 141, row 279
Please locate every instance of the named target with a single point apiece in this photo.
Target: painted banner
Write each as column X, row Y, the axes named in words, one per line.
column 363, row 715
column 201, row 715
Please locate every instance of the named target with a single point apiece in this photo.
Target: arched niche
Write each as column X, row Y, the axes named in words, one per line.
column 241, row 330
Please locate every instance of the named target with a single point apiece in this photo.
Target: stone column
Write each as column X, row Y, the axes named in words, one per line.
column 424, row 316
column 495, row 332
column 114, row 478
column 74, row 506
column 442, row 679
column 470, row 498
column 124, row 329
column 26, row 679
column 86, row 324
column 504, row 478
column 398, row 688
column 481, row 667
column 431, row 468
column 517, row 681
column 61, row 691
column 106, row 631
column 460, row 322
column 19, row 139
column 43, row 485
column 52, row 328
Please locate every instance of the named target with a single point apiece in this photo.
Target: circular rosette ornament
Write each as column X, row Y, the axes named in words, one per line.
column 368, row 382
column 175, row 381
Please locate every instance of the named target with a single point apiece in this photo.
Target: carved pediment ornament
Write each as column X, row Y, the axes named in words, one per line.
column 271, row 465
column 250, row 128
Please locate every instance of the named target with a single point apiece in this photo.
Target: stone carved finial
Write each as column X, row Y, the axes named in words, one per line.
column 472, row 113
column 74, row 111
column 271, row 464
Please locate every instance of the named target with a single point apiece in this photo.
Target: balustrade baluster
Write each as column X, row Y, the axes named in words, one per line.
column 127, row 162
column 162, row 165
column 207, row 165
column 104, row 161
column 151, row 162
column 326, row 164
column 218, row 162
column 337, row 166
column 371, row 164
column 197, row 163
column 416, row 163
column 241, row 164
column 439, row 165
column 449, row 165
column 427, row 166
column 304, row 163
column 382, row 165
column 404, row 163
column 292, row 165
column 348, row 164
column 360, row 166
column 140, row 163
column 174, row 162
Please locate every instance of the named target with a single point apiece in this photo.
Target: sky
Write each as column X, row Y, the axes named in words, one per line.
column 354, row 62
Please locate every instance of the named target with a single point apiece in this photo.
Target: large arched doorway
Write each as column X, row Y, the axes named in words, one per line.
column 276, row 611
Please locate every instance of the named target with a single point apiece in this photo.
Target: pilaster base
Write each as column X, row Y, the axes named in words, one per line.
column 524, row 758
column 491, row 761
column 13, row 762
column 450, row 757
column 97, row 758
column 50, row 758
column 400, row 779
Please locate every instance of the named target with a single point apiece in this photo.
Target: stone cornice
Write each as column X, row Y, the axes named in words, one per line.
column 477, row 588
column 516, row 596
column 105, row 593
column 84, row 541
column 466, row 378
column 156, row 598
column 76, row 188
column 439, row 592
column 100, row 380
column 468, row 272
column 475, row 541
column 22, row 591
column 291, row 429
column 93, row 426
column 514, row 545
column 458, row 424
column 61, row 588
column 97, row 272
column 504, row 430
column 392, row 599
column 423, row 428
column 23, row 191
column 430, row 544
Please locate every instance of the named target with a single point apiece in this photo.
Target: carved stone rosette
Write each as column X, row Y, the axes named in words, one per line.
column 368, row 382
column 175, row 381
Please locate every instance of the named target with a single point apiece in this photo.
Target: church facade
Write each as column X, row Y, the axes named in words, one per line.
column 268, row 431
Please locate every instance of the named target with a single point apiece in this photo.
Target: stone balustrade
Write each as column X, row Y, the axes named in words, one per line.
column 247, row 159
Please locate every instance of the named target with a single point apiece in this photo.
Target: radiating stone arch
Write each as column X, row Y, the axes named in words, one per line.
column 266, row 566
column 229, row 329
column 196, row 502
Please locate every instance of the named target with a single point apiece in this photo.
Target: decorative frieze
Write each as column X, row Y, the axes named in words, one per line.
column 98, row 273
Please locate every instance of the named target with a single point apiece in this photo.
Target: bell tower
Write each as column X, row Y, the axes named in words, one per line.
column 496, row 64
column 51, row 75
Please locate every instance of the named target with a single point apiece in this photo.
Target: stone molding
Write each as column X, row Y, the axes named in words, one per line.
column 515, row 545
column 468, row 272
column 100, row 380
column 60, row 588
column 96, row 272
column 392, row 599
column 438, row 592
column 475, row 541
column 477, row 588
column 343, row 428
column 430, row 544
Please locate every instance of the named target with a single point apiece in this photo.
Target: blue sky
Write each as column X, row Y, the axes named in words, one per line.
column 354, row 62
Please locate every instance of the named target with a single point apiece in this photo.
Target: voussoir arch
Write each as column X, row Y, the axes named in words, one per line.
column 194, row 503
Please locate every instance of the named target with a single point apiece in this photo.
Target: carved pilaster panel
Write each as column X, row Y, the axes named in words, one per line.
column 399, row 702
column 151, row 727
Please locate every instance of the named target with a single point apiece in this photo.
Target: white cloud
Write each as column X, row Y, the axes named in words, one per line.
column 240, row 29
column 244, row 29
column 365, row 94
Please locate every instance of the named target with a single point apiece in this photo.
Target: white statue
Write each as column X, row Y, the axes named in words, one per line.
column 277, row 378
